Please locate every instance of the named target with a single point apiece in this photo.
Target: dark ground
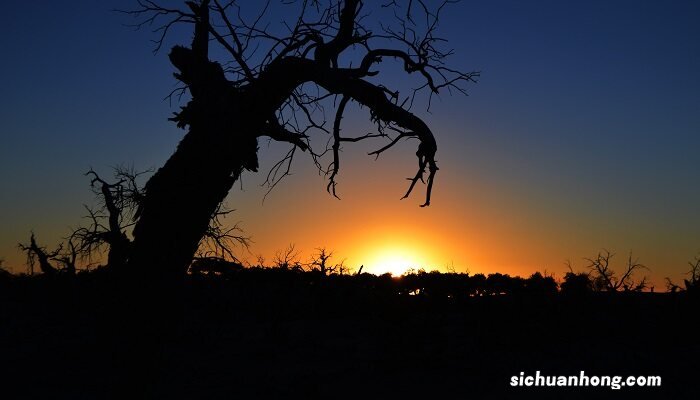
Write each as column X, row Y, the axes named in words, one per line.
column 204, row 338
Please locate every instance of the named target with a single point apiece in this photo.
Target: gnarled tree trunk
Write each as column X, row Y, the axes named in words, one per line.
column 183, row 195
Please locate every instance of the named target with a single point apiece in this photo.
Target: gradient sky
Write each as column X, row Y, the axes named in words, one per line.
column 582, row 134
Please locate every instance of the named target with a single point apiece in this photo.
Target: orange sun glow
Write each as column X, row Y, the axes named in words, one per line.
column 394, row 260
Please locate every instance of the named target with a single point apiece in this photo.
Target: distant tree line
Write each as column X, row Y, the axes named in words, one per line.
column 599, row 276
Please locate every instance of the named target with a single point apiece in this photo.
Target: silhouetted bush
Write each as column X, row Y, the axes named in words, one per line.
column 5, row 275
column 540, row 284
column 498, row 283
column 576, row 283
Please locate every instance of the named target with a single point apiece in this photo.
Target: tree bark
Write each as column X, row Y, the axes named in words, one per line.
column 183, row 195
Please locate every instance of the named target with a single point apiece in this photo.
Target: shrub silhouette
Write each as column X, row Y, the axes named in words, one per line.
column 5, row 275
column 576, row 283
column 541, row 284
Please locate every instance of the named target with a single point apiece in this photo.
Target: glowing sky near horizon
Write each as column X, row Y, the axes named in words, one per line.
column 581, row 134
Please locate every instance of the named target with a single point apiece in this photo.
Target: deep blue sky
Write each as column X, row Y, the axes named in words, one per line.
column 585, row 125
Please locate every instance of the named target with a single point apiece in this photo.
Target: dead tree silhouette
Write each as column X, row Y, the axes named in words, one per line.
column 320, row 261
column 39, row 254
column 693, row 283
column 271, row 82
column 604, row 276
column 117, row 205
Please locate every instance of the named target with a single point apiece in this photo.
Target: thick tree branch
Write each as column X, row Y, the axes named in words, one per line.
column 374, row 97
column 275, row 131
column 329, row 52
column 336, row 145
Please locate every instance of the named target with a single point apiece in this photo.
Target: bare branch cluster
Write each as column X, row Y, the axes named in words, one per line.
column 287, row 259
column 605, row 278
column 320, row 262
column 322, row 55
column 692, row 284
column 116, row 211
column 220, row 240
column 38, row 254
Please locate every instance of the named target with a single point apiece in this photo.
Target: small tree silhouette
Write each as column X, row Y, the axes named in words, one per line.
column 38, row 254
column 288, row 259
column 605, row 279
column 692, row 285
column 115, row 213
column 539, row 283
column 576, row 283
column 320, row 262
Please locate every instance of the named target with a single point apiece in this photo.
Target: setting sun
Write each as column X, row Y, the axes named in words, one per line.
column 394, row 260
